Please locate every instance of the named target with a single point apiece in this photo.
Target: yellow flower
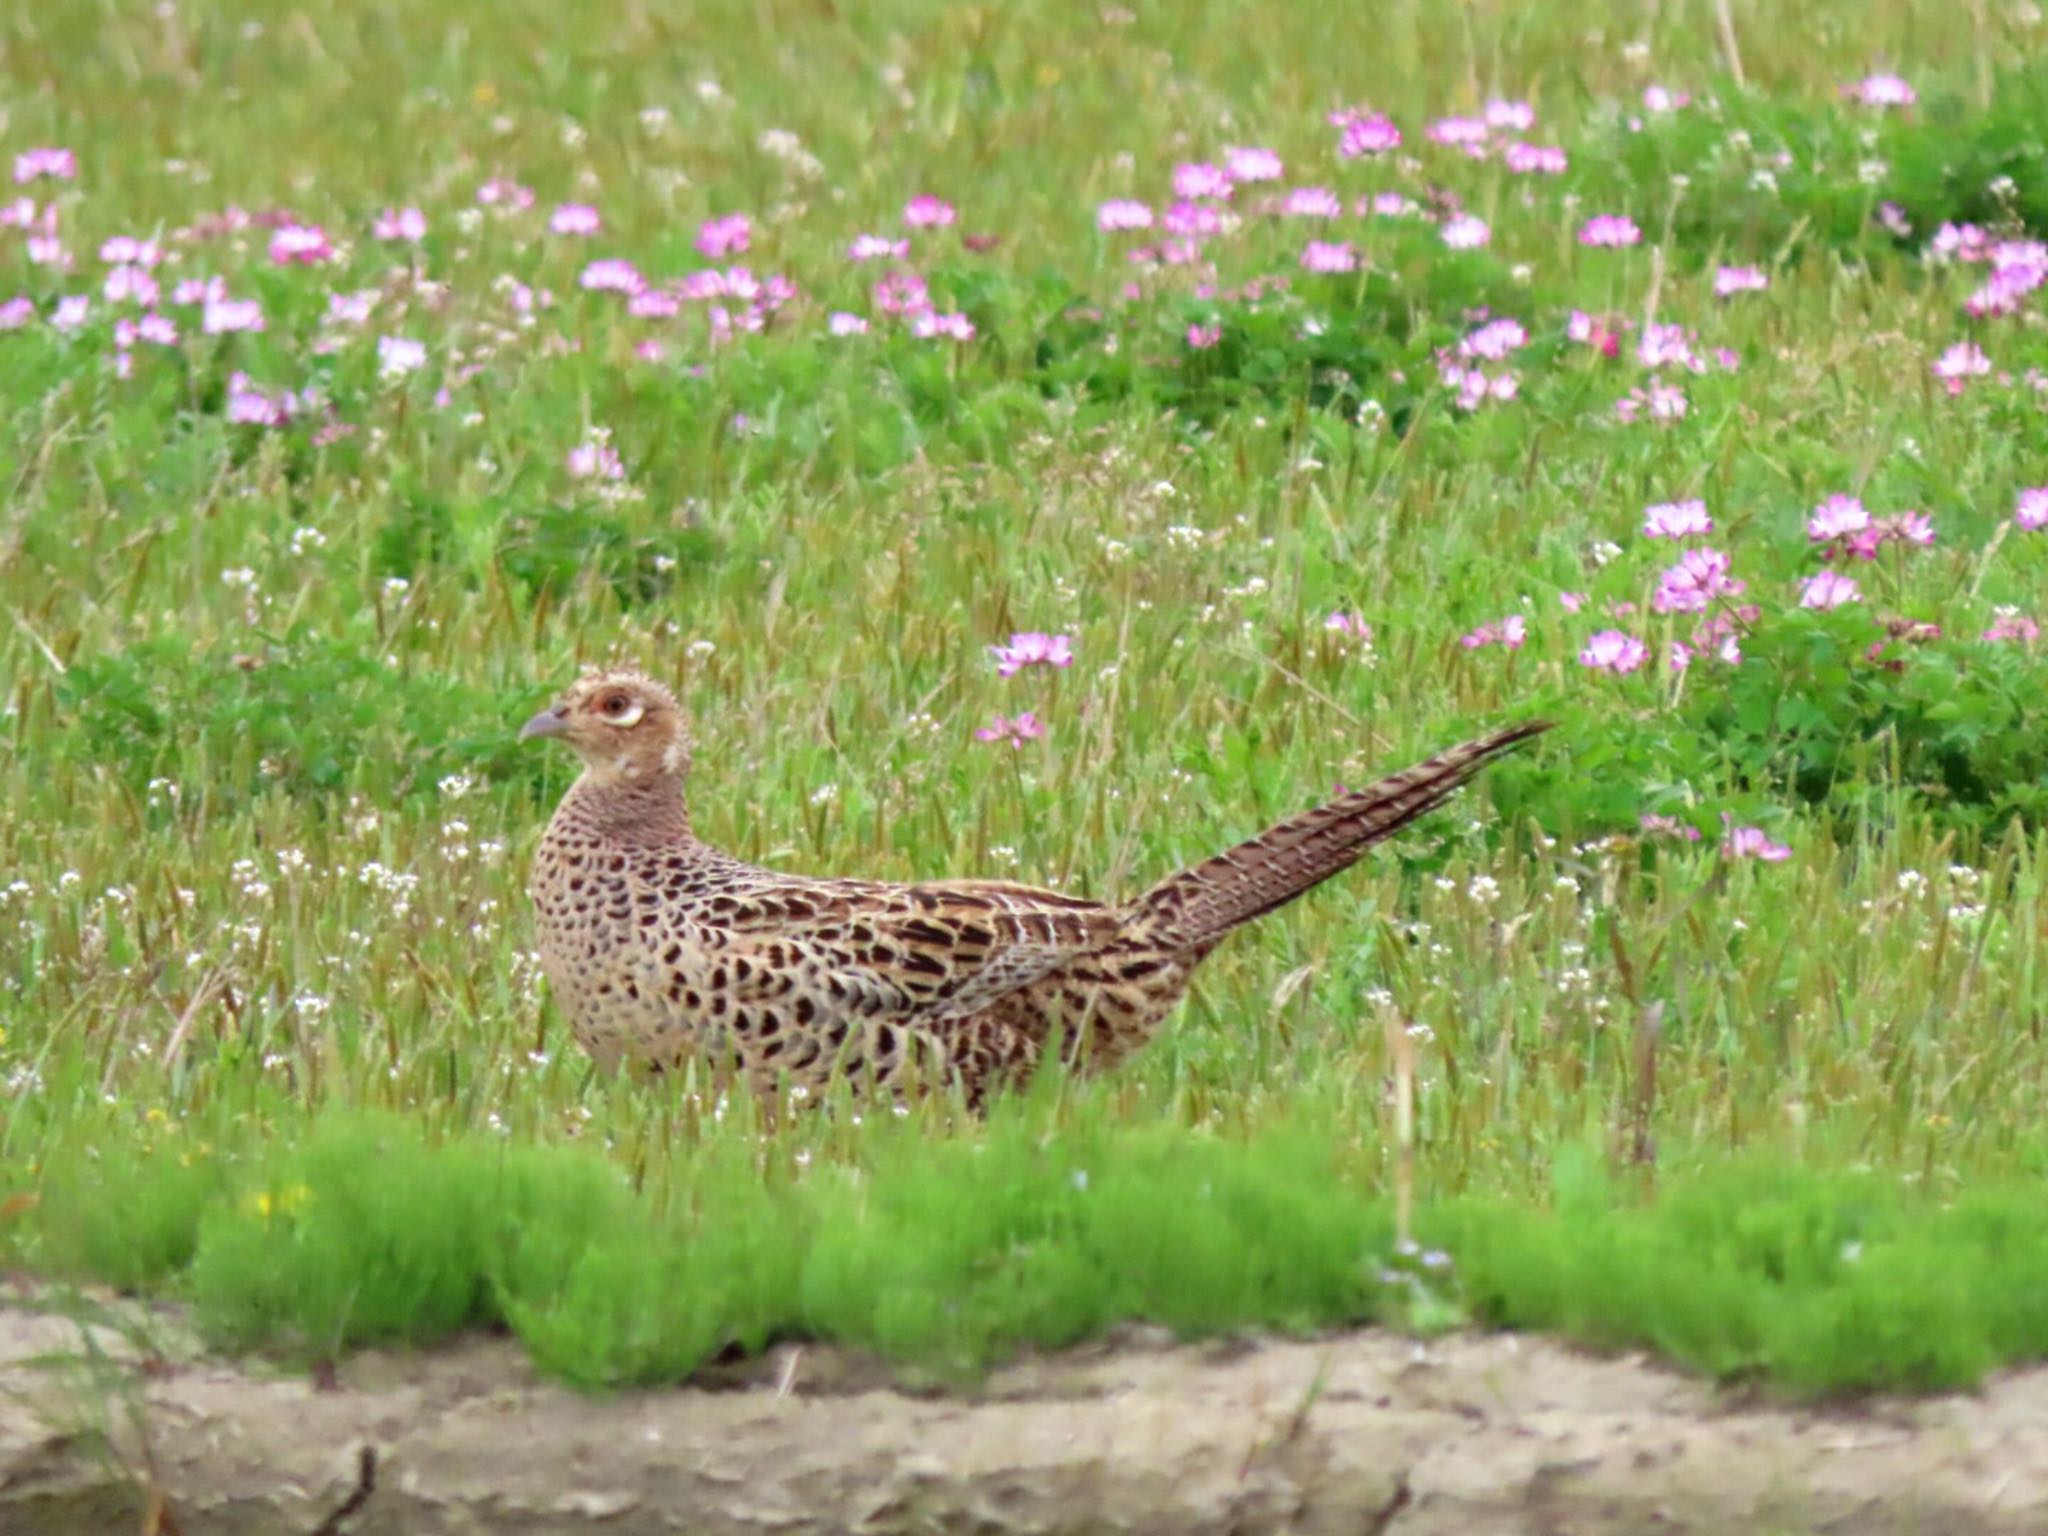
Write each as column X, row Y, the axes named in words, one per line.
column 284, row 1202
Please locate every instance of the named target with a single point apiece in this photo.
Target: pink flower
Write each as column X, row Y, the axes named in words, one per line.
column 1667, row 401
column 2018, row 268
column 727, row 235
column 71, row 312
column 1329, row 256
column 595, row 459
column 882, row 248
column 1390, row 205
column 1609, row 229
column 1668, row 346
column 1729, row 281
column 1836, row 517
column 1915, row 528
column 1032, row 649
column 126, row 250
column 1469, row 134
column 57, row 164
column 1613, row 651
column 199, row 290
column 302, row 245
column 1026, row 727
column 224, row 316
column 2031, row 510
column 1474, row 386
column 1830, row 589
column 1959, row 242
column 522, row 299
column 1695, row 582
column 1535, row 159
column 1466, row 232
column 1203, row 337
column 2012, row 626
column 403, row 224
column 1711, row 638
column 654, row 304
column 1677, row 520
column 250, row 406
column 1511, row 633
column 612, row 274
column 840, row 323
column 1512, row 116
column 930, row 323
column 501, row 193
column 1881, row 91
column 574, row 219
column 1661, row 402
column 1122, row 213
column 901, row 293
column 48, row 251
column 1597, row 332
column 927, row 212
column 1312, row 203
column 1365, row 133
column 1342, row 623
column 1751, row 843
column 1191, row 218
column 1571, row 602
column 1494, row 340
column 1658, row 100
column 17, row 312
column 126, row 285
column 1668, row 826
column 1964, row 360
column 1251, row 165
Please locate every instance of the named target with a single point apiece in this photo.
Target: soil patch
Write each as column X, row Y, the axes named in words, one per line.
column 1361, row 1432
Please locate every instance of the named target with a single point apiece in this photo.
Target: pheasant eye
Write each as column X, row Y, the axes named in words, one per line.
column 616, row 704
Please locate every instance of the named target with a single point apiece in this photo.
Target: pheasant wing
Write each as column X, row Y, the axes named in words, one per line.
column 931, row 951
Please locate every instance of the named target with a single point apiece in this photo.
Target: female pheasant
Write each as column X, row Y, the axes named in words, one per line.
column 662, row 948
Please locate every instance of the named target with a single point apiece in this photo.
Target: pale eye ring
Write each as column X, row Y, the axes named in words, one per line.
column 621, row 710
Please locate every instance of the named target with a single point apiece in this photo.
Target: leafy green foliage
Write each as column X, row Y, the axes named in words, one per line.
column 1962, row 162
column 1818, row 1283
column 1813, row 711
column 1751, row 177
column 307, row 713
column 948, row 1259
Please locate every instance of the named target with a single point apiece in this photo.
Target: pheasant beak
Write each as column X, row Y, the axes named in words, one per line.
column 549, row 722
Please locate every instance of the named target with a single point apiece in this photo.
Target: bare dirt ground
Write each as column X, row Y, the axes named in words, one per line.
column 1363, row 1434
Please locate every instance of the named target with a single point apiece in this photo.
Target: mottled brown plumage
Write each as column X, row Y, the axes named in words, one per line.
column 661, row 948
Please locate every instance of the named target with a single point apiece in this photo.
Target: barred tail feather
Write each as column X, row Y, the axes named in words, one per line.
column 1202, row 903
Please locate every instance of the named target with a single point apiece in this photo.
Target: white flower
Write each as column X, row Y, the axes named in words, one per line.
column 398, row 356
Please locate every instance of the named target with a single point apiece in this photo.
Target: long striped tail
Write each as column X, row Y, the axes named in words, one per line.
column 1202, row 903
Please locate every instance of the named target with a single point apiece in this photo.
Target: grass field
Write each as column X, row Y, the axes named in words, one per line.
column 371, row 371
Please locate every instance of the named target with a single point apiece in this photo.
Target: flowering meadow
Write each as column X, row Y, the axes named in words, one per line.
column 1052, row 443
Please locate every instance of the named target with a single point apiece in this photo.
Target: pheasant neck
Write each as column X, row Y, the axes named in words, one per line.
column 643, row 812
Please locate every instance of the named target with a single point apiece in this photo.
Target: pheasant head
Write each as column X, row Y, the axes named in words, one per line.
column 627, row 728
